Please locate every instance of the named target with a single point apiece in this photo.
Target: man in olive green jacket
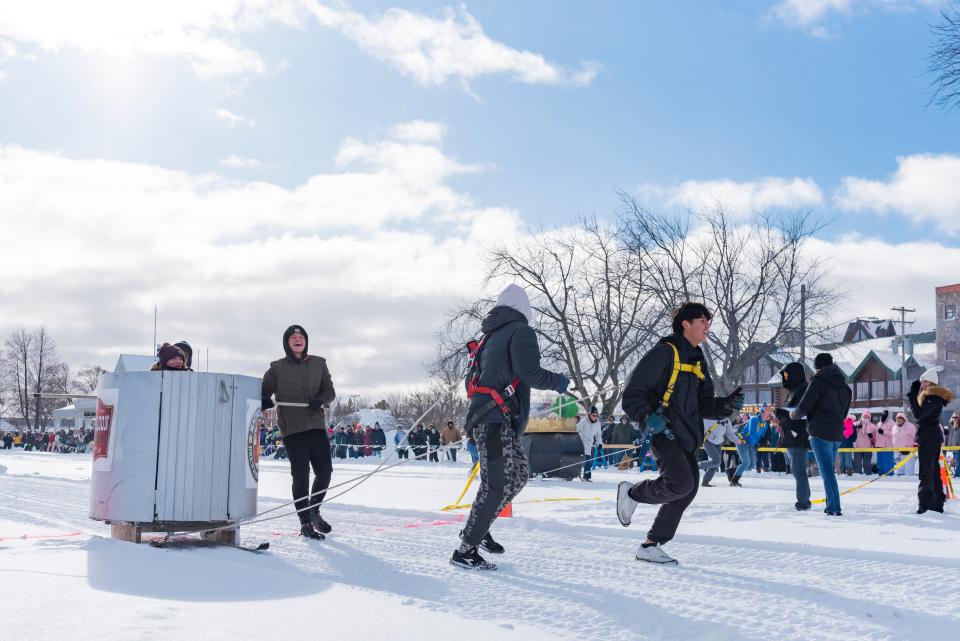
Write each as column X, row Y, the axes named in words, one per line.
column 303, row 378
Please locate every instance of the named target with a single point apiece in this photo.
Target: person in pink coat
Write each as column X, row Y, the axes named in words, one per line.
column 905, row 435
column 884, row 438
column 866, row 437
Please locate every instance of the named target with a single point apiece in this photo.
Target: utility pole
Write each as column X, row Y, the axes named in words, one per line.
column 903, row 351
column 803, row 325
column 153, row 352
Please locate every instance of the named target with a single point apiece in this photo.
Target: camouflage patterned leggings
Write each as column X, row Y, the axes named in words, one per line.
column 503, row 473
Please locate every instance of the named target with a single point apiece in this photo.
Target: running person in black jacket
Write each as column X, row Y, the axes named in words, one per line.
column 510, row 351
column 676, row 425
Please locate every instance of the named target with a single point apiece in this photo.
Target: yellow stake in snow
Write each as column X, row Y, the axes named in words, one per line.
column 456, row 504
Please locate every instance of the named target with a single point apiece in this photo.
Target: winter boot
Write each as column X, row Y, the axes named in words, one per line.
column 704, row 483
column 730, row 471
column 307, row 530
column 491, row 546
column 318, row 523
column 626, row 506
column 654, row 554
column 735, row 482
column 470, row 560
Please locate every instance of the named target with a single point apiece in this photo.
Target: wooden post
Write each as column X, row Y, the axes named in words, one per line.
column 126, row 532
column 223, row 537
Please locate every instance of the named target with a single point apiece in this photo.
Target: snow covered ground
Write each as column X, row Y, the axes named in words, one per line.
column 751, row 567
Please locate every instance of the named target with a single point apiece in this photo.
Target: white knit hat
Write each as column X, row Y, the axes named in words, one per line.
column 931, row 375
column 513, row 296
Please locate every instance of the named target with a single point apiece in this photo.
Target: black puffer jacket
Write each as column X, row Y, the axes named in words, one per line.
column 692, row 400
column 794, row 432
column 927, row 406
column 510, row 351
column 825, row 403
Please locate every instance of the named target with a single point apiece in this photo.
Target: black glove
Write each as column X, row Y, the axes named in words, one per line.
column 315, row 405
column 265, row 403
column 782, row 414
column 914, row 388
column 733, row 402
column 562, row 385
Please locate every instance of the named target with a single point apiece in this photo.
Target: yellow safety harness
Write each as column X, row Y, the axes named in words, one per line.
column 678, row 367
column 710, row 431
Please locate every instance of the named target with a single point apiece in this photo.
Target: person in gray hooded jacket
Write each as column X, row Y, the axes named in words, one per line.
column 510, row 351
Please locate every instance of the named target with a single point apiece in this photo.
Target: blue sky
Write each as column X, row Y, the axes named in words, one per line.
column 688, row 91
column 808, row 103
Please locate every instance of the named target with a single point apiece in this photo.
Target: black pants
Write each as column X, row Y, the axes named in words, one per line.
column 503, row 473
column 434, row 449
column 673, row 490
column 403, row 452
column 930, row 493
column 305, row 450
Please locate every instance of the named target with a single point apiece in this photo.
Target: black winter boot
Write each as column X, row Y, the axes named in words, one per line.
column 470, row 560
column 735, row 482
column 318, row 523
column 307, row 530
column 491, row 546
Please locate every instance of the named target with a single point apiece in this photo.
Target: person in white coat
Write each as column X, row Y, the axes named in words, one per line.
column 590, row 429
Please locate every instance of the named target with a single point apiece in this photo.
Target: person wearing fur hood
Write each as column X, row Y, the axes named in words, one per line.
column 927, row 400
column 905, row 435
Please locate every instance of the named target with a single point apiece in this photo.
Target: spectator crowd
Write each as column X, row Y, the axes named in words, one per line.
column 60, row 441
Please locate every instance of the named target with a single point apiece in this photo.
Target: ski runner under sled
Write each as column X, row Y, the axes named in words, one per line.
column 672, row 391
column 504, row 365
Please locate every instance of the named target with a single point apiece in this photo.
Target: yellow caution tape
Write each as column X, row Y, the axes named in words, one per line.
column 888, row 473
column 554, row 500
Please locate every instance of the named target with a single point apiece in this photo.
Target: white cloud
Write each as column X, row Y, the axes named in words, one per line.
column 888, row 274
column 814, row 16
column 203, row 32
column 808, row 12
column 207, row 33
column 234, row 119
column 419, row 131
column 437, row 50
column 367, row 258
column 239, row 162
column 738, row 198
column 925, row 188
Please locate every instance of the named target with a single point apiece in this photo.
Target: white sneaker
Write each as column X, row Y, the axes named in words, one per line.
column 654, row 554
column 626, row 506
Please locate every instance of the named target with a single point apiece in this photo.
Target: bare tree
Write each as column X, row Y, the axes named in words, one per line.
column 943, row 61
column 447, row 405
column 342, row 409
column 592, row 304
column 87, row 379
column 749, row 273
column 49, row 374
column 17, row 350
column 29, row 366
